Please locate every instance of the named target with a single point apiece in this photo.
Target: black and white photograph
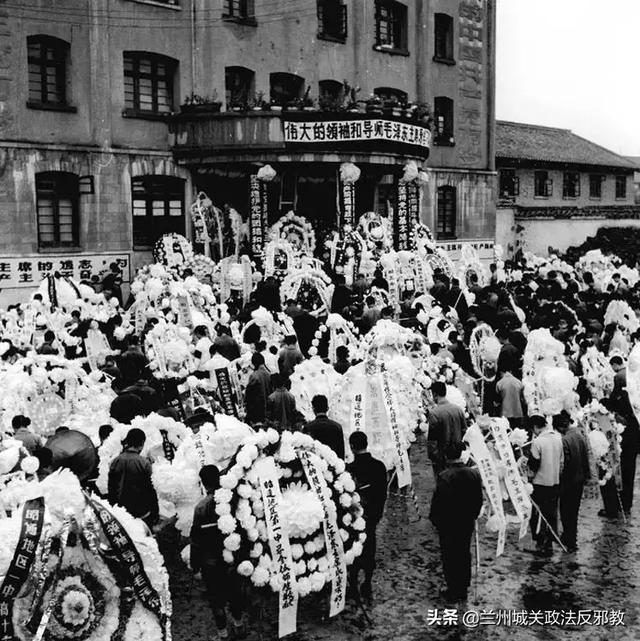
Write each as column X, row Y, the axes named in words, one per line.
column 319, row 320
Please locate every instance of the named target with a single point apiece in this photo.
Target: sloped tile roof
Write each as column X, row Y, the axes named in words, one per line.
column 520, row 141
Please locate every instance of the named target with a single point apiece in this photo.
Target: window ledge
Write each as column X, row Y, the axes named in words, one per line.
column 595, row 198
column 391, row 50
column 331, row 38
column 158, row 3
column 145, row 115
column 59, row 249
column 50, row 106
column 250, row 22
column 541, row 197
column 569, row 198
column 621, row 198
column 446, row 238
column 444, row 142
column 142, row 248
column 445, row 61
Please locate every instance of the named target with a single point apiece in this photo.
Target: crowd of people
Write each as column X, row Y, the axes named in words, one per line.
column 516, row 297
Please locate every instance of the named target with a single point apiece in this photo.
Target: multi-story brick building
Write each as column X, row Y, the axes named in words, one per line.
column 101, row 151
column 557, row 188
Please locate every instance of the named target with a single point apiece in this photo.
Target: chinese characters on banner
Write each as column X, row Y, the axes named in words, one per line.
column 279, row 545
column 28, row 271
column 348, row 204
column 184, row 312
column 402, row 458
column 402, row 223
column 485, row 248
column 512, row 478
column 225, row 391
column 490, row 480
column 470, row 81
column 124, row 550
column 335, row 548
column 356, row 131
column 258, row 217
column 32, row 518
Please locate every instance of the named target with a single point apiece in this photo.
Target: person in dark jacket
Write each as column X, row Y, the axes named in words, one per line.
column 370, row 476
column 289, row 356
column 455, row 506
column 149, row 399
column 342, row 363
column 281, row 404
column 447, row 425
column 323, row 429
column 130, row 480
column 575, row 473
column 132, row 362
column 257, row 391
column 225, row 344
column 342, row 295
column 207, row 545
column 509, row 358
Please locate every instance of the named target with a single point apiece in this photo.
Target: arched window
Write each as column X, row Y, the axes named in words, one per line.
column 443, row 38
column 57, row 200
column 238, row 85
column 47, row 61
column 331, row 93
column 443, row 112
column 389, row 93
column 446, row 214
column 285, row 87
column 158, row 208
column 148, row 82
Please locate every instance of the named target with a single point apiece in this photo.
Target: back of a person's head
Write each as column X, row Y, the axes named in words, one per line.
column 213, row 350
column 358, row 441
column 261, row 346
column 340, row 279
column 44, row 456
column 49, row 336
column 537, row 420
column 19, row 420
column 370, row 300
column 200, row 330
column 210, row 477
column 133, row 340
column 320, row 404
column 342, row 352
column 438, row 388
column 502, row 333
column 257, row 359
column 135, row 438
column 453, row 451
column 276, row 380
column 124, row 408
column 104, row 431
column 616, row 360
column 290, row 340
column 453, row 336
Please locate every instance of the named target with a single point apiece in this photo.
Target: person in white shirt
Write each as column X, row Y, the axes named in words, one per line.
column 202, row 346
column 216, row 361
column 270, row 359
column 547, row 461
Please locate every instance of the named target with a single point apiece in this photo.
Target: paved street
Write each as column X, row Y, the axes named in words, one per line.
column 602, row 575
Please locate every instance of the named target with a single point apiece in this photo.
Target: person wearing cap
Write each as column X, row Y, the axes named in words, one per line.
column 455, row 506
column 129, row 483
column 575, row 474
column 206, row 557
column 546, row 460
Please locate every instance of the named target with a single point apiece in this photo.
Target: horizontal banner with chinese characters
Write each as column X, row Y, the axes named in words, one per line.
column 29, row 271
column 485, row 248
column 356, row 131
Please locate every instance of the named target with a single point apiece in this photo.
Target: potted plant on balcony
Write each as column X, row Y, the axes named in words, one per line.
column 307, row 101
column 423, row 115
column 374, row 105
column 409, row 110
column 195, row 103
column 351, row 94
column 275, row 105
column 257, row 102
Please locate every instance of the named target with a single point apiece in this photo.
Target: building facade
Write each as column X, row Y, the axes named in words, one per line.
column 555, row 188
column 115, row 113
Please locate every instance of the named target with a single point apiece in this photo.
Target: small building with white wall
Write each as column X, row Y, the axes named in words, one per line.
column 557, row 188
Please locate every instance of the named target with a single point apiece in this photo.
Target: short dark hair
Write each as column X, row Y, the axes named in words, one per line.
column 49, row 336
column 342, row 351
column 104, row 431
column 358, row 441
column 502, row 333
column 210, row 477
column 135, row 437
column 291, row 339
column 370, row 300
column 44, row 456
column 319, row 403
column 453, row 451
column 277, row 380
column 261, row 346
column 257, row 359
column 20, row 420
column 438, row 388
column 200, row 330
column 537, row 420
column 616, row 360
